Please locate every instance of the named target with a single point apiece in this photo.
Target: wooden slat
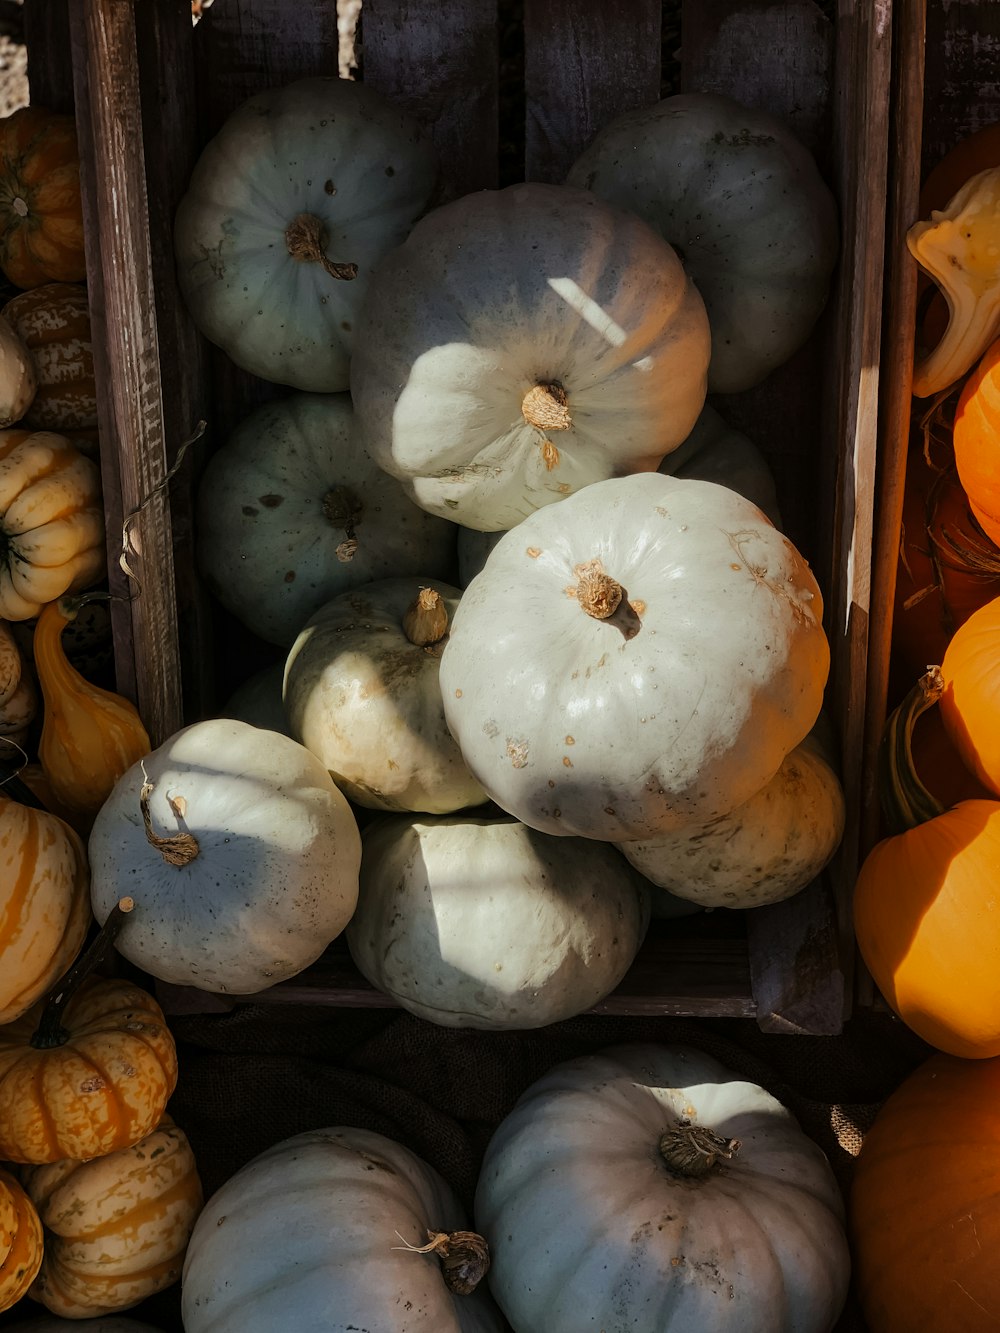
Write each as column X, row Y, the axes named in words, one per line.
column 797, row 983
column 962, row 72
column 127, row 360
column 50, row 63
column 585, row 62
column 438, row 60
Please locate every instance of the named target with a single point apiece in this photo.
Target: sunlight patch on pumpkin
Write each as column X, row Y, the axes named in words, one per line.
column 589, row 310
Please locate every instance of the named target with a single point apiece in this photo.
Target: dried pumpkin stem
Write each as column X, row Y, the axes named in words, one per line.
column 426, row 619
column 304, row 241
column 177, row 849
column 693, row 1150
column 50, row 1032
column 905, row 801
column 546, row 406
column 464, row 1256
column 598, row 593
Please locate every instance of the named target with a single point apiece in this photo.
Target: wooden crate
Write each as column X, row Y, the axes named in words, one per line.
column 149, row 90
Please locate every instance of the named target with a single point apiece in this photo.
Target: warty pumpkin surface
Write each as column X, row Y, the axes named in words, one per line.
column 20, row 1241
column 41, row 216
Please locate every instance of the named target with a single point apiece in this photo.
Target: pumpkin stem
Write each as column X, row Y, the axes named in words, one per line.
column 546, row 406
column 426, row 620
column 50, row 1031
column 693, row 1150
column 905, row 800
column 343, row 509
column 464, row 1255
column 605, row 599
column 177, row 849
column 304, row 238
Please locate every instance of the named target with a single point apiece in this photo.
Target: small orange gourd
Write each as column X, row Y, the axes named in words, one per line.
column 20, row 1241
column 976, row 436
column 90, row 736
column 41, row 216
column 970, row 703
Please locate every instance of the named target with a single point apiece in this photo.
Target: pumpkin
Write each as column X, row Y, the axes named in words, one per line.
column 362, row 693
column 926, row 900
column 765, row 850
column 18, row 384
column 53, row 323
column 332, row 1230
column 924, row 1215
column 976, row 437
column 51, row 521
column 292, row 511
column 20, row 1241
column 246, row 853
column 90, row 736
column 957, row 248
column 44, row 902
column 117, row 1227
column 480, row 922
column 18, row 695
column 712, row 452
column 653, row 1188
column 258, row 700
column 641, row 656
column 85, row 1075
column 41, row 217
column 742, row 200
column 971, row 698
column 289, row 209
column 583, row 357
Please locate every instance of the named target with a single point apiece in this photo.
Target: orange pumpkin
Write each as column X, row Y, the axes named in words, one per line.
column 53, row 322
column 44, row 903
column 41, row 218
column 927, row 901
column 88, row 1081
column 925, row 1203
column 20, row 1241
column 117, row 1227
column 90, row 735
column 970, row 703
column 976, row 436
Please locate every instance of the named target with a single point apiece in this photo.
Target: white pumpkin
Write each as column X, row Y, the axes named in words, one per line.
column 240, row 853
column 649, row 1188
column 18, row 381
column 481, row 922
column 642, row 655
column 292, row 511
column 765, row 850
column 289, row 209
column 361, row 692
column 521, row 344
column 320, row 1233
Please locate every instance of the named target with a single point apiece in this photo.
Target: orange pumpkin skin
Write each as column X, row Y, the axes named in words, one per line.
column 20, row 1241
column 41, row 217
column 970, row 705
column 53, row 322
column 976, row 437
column 104, row 1089
column 44, row 904
column 924, row 1210
column 927, row 921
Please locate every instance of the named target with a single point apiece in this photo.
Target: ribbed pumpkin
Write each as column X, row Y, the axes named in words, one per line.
column 925, row 1203
column 51, row 521
column 41, row 218
column 117, row 1227
column 18, row 383
column 20, row 1241
column 90, row 736
column 102, row 1088
column 970, row 703
column 53, row 322
column 976, row 435
column 44, row 903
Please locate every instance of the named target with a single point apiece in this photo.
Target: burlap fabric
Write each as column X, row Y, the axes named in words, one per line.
column 253, row 1077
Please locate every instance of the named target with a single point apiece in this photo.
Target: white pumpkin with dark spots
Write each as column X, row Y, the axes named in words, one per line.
column 641, row 656
column 292, row 511
column 241, row 856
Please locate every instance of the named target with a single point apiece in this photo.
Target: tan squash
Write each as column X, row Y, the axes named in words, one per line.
column 18, row 383
column 53, row 323
column 117, row 1227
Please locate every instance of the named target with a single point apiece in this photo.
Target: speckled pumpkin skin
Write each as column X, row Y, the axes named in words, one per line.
column 20, row 1241
column 53, row 322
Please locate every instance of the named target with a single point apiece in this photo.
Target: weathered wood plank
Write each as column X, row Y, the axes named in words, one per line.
column 438, row 59
column 50, row 62
column 123, row 313
column 962, row 72
column 585, row 63
column 794, row 951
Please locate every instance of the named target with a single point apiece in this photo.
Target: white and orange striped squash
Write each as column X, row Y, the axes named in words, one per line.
column 20, row 1241
column 44, row 903
column 53, row 323
column 117, row 1227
